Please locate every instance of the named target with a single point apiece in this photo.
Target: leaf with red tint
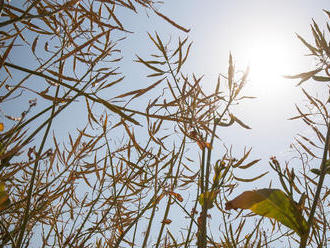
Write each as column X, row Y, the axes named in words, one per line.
column 272, row 203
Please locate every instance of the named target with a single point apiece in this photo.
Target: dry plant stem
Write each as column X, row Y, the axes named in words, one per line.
column 51, row 79
column 194, row 221
column 28, row 203
column 22, row 16
column 149, row 204
column 151, row 218
column 323, row 169
column 136, row 225
column 113, row 175
column 29, row 17
column 154, row 207
column 203, row 229
column 90, row 211
column 138, row 217
column 8, row 234
column 192, row 218
column 168, row 206
column 79, row 92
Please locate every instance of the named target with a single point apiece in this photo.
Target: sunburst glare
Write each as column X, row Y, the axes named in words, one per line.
column 268, row 60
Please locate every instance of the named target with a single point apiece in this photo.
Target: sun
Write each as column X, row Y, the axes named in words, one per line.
column 268, row 60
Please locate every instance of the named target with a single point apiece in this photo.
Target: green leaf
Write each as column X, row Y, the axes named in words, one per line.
column 321, row 78
column 230, row 71
column 272, row 203
column 247, row 180
column 4, row 197
column 208, row 197
column 327, row 170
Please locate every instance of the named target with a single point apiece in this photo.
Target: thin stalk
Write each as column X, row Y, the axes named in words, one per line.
column 22, row 16
column 323, row 169
column 191, row 221
column 203, row 221
column 168, row 206
column 28, row 204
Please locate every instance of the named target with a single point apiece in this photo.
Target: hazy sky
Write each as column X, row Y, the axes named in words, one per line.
column 258, row 33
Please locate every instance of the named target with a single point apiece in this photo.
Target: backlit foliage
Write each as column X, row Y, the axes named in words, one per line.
column 140, row 175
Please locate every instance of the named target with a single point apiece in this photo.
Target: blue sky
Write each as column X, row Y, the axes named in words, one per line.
column 239, row 27
column 258, row 33
column 220, row 27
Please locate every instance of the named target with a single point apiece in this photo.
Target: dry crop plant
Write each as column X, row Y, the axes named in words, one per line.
column 100, row 190
column 94, row 191
column 197, row 116
column 307, row 217
column 87, row 191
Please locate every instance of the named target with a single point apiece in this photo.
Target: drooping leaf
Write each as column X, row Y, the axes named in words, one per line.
column 272, row 203
column 238, row 121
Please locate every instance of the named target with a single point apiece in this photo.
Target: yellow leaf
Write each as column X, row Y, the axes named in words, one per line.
column 208, row 197
column 4, row 197
column 272, row 203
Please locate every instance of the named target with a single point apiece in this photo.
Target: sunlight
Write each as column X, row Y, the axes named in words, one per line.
column 269, row 61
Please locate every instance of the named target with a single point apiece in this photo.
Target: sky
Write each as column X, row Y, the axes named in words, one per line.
column 258, row 33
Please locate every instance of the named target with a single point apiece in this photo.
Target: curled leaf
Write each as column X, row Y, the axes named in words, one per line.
column 246, row 180
column 167, row 221
column 272, row 203
column 203, row 145
column 177, row 196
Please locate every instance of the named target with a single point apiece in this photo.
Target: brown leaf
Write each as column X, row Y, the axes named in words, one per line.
column 167, row 221
column 172, row 22
column 5, row 55
column 34, row 44
column 250, row 179
column 79, row 48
